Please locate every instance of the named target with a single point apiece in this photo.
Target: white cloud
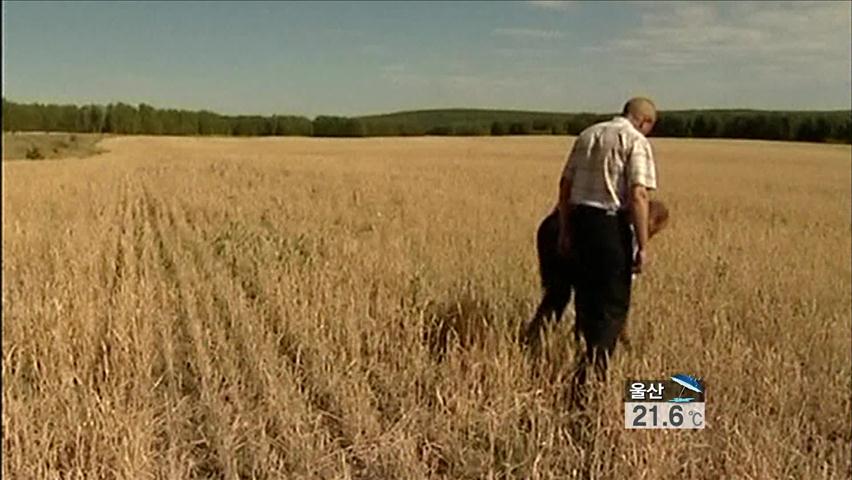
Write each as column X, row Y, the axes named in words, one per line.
column 528, row 33
column 374, row 49
column 801, row 35
column 795, row 55
column 400, row 75
column 553, row 4
column 395, row 68
column 457, row 82
column 521, row 53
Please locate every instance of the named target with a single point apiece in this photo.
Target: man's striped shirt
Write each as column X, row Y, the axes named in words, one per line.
column 605, row 161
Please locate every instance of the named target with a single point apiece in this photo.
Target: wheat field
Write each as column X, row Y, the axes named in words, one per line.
column 315, row 308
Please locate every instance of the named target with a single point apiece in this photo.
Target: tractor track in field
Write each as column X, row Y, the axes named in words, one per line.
column 189, row 368
column 253, row 294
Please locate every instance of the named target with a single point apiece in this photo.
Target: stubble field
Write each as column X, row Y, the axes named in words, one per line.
column 308, row 308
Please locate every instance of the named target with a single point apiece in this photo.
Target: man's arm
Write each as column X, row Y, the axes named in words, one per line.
column 642, row 177
column 639, row 214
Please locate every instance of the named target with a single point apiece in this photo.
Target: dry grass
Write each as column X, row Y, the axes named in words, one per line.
column 50, row 146
column 306, row 308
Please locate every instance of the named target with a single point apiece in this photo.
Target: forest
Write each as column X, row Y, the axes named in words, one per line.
column 143, row 119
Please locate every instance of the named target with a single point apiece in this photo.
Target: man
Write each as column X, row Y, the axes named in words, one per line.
column 603, row 209
column 557, row 278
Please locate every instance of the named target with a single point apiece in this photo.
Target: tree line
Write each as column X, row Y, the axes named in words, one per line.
column 121, row 118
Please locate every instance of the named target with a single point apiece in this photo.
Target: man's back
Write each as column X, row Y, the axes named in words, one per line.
column 610, row 168
column 605, row 158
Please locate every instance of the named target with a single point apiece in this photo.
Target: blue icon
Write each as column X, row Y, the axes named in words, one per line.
column 682, row 400
column 686, row 382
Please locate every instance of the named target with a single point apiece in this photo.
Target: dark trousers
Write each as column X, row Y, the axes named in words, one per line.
column 602, row 259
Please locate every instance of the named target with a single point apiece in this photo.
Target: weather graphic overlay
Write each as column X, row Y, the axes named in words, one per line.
column 676, row 403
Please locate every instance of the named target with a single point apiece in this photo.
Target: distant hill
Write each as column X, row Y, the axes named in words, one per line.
column 505, row 115
column 809, row 126
column 832, row 125
column 473, row 121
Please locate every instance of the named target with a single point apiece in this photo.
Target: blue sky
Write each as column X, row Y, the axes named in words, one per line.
column 360, row 58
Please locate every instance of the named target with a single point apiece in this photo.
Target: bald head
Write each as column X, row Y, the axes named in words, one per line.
column 641, row 112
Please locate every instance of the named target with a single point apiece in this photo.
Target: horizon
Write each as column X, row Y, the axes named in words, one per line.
column 428, row 110
column 366, row 59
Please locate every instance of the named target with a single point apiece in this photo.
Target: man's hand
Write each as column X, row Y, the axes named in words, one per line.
column 640, row 261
